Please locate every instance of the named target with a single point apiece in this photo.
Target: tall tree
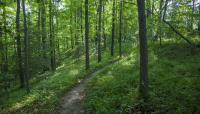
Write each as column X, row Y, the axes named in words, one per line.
column 87, row 56
column 51, row 32
column 103, row 24
column 39, row 27
column 81, row 16
column 113, row 27
column 99, row 31
column 199, row 20
column 5, row 41
column 26, row 48
column 160, row 21
column 192, row 17
column 143, row 49
column 96, row 27
column 1, row 48
column 44, row 34
column 120, row 27
column 18, row 38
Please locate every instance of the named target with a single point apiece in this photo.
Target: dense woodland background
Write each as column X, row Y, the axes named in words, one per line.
column 46, row 46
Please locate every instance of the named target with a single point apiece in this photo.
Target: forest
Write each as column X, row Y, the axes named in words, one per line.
column 99, row 56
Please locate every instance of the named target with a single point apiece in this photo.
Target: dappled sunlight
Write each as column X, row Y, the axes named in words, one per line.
column 49, row 89
column 173, row 76
column 73, row 72
column 60, row 67
column 99, row 56
column 27, row 100
column 57, row 74
column 105, row 79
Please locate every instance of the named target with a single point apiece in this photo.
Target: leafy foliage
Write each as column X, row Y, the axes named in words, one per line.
column 45, row 93
column 174, row 88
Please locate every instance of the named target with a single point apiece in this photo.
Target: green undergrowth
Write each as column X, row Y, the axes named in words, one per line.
column 174, row 76
column 45, row 94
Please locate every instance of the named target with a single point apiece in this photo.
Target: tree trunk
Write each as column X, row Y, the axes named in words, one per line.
column 193, row 9
column 103, row 24
column 56, row 33
column 199, row 21
column 120, row 28
column 19, row 54
column 113, row 28
column 44, row 35
column 99, row 31
column 5, row 45
column 143, row 49
column 82, row 34
column 39, row 28
column 96, row 30
column 87, row 57
column 160, row 22
column 26, row 48
column 52, row 47
column 1, row 49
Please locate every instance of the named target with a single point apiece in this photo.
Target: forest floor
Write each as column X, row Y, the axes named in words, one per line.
column 174, row 76
column 46, row 92
column 111, row 87
column 72, row 102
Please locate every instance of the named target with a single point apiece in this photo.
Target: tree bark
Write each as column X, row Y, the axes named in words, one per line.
column 19, row 54
column 87, row 57
column 160, row 22
column 103, row 24
column 44, row 35
column 143, row 49
column 51, row 31
column 113, row 27
column 26, row 48
column 5, row 45
column 1, row 48
column 96, row 30
column 39, row 27
column 193, row 9
column 82, row 33
column 99, row 31
column 199, row 21
column 120, row 28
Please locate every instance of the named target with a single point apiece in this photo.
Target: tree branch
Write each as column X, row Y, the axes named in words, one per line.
column 173, row 28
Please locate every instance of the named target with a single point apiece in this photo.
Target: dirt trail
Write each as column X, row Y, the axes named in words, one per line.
column 72, row 102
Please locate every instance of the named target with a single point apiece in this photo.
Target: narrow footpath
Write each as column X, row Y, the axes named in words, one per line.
column 72, row 102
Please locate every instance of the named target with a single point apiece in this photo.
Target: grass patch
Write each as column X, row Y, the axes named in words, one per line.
column 174, row 74
column 45, row 93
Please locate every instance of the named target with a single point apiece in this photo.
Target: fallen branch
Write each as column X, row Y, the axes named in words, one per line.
column 177, row 32
column 173, row 28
